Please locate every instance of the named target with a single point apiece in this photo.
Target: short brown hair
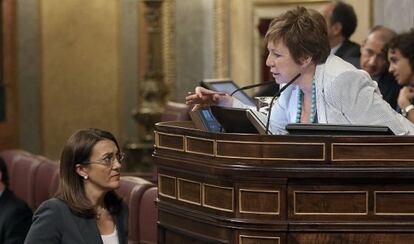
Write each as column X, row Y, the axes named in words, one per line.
column 404, row 42
column 77, row 150
column 303, row 32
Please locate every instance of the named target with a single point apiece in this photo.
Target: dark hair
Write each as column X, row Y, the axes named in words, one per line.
column 77, row 150
column 303, row 32
column 344, row 14
column 4, row 172
column 404, row 42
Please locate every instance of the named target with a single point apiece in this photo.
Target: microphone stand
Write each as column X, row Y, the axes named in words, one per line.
column 252, row 86
column 274, row 97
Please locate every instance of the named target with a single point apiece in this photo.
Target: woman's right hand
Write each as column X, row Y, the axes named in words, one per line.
column 405, row 96
column 203, row 97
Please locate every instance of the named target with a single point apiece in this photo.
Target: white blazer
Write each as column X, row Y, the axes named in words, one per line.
column 344, row 95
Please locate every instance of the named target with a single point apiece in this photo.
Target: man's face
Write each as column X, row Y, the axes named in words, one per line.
column 373, row 60
column 400, row 68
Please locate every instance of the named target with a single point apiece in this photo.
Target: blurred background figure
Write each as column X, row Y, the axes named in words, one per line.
column 401, row 58
column 15, row 215
column 341, row 22
column 374, row 61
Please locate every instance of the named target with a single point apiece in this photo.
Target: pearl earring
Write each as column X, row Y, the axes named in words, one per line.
column 85, row 177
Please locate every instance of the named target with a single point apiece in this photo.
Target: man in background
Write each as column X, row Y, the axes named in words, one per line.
column 374, row 61
column 15, row 215
column 341, row 22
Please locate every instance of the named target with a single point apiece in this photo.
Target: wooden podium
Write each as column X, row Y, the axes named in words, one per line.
column 246, row 188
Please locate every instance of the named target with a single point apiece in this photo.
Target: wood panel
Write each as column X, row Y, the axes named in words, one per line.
column 233, row 188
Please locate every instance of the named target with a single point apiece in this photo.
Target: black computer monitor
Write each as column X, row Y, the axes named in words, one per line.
column 335, row 129
column 227, row 85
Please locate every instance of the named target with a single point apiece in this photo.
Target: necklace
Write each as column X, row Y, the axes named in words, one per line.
column 313, row 106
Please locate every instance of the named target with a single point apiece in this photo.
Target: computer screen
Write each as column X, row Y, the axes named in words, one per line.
column 228, row 86
column 204, row 120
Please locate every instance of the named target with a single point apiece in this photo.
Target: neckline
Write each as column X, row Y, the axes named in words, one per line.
column 313, row 105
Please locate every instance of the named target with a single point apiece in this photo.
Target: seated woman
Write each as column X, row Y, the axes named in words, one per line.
column 401, row 58
column 328, row 90
column 87, row 209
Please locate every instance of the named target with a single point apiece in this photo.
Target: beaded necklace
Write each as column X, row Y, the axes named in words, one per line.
column 313, row 106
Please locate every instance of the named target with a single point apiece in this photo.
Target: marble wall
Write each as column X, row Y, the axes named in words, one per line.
column 77, row 68
column 194, row 40
column 397, row 15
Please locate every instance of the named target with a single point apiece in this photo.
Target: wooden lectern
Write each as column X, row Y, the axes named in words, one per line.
column 247, row 188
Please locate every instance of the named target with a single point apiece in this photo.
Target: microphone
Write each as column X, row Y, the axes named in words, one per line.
column 277, row 95
column 252, row 86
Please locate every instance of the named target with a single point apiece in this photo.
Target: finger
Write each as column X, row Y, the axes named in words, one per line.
column 196, row 107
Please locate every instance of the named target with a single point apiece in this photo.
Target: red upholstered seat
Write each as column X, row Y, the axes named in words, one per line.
column 22, row 171
column 132, row 190
column 148, row 216
column 46, row 180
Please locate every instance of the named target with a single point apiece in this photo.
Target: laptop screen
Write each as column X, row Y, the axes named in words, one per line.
column 228, row 86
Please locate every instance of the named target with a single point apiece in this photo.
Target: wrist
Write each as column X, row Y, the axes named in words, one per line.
column 407, row 109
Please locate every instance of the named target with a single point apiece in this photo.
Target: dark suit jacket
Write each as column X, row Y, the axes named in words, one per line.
column 389, row 89
column 15, row 218
column 54, row 222
column 350, row 52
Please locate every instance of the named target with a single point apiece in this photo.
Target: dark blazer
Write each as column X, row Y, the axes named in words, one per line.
column 389, row 89
column 350, row 52
column 53, row 222
column 15, row 218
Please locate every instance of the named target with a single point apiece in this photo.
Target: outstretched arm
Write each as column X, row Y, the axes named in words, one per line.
column 203, row 97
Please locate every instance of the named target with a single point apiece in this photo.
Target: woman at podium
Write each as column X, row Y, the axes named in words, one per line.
column 326, row 89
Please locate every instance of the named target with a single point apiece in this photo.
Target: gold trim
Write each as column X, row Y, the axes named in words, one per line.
column 330, row 192
column 160, row 186
column 257, row 212
column 213, row 207
column 185, row 144
column 275, row 143
column 179, row 192
column 368, row 144
column 259, row 237
column 167, row 42
column 171, row 148
column 156, row 138
column 390, row 214
column 200, row 139
column 220, row 18
column 215, row 148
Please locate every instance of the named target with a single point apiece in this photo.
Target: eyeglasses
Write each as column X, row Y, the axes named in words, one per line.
column 109, row 159
column 369, row 53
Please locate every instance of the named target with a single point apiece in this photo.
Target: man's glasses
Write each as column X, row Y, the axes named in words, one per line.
column 109, row 159
column 369, row 53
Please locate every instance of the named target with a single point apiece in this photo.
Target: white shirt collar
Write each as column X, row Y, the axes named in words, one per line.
column 335, row 48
